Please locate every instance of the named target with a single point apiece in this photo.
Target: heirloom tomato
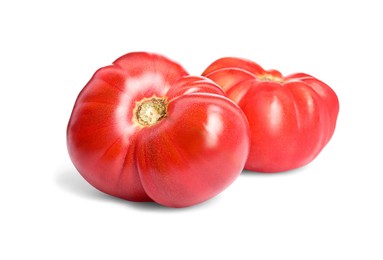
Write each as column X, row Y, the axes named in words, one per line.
column 291, row 118
column 142, row 129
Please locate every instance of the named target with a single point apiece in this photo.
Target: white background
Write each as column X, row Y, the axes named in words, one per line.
column 330, row 209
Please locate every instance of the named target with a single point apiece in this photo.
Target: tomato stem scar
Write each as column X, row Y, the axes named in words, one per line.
column 269, row 77
column 150, row 111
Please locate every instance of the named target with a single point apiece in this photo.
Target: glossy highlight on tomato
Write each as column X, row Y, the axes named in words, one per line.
column 142, row 129
column 291, row 118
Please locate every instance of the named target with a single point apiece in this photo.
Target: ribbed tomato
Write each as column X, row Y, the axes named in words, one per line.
column 291, row 118
column 142, row 129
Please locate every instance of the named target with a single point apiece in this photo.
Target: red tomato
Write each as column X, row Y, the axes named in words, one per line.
column 291, row 118
column 142, row 129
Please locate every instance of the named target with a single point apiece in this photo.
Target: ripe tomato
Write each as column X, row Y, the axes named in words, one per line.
column 142, row 129
column 291, row 118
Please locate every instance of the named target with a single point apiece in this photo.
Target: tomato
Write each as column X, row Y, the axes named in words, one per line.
column 291, row 118
column 142, row 129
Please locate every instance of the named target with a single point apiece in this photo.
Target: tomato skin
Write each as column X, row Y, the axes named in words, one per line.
column 291, row 118
column 200, row 149
column 197, row 150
